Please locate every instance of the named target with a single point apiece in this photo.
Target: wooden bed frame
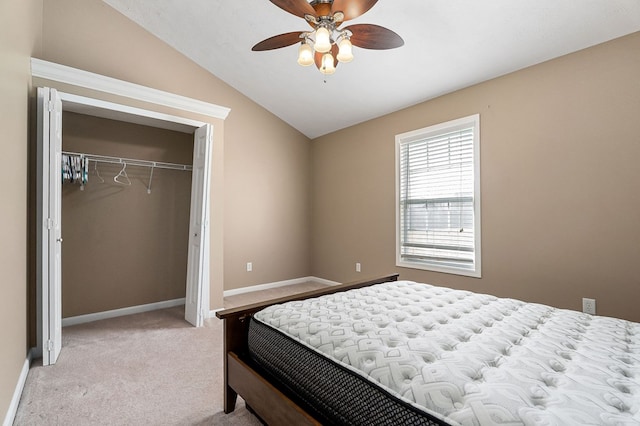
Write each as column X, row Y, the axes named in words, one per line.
column 241, row 378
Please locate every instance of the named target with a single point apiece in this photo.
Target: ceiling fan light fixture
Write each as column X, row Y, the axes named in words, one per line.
column 323, row 40
column 305, row 54
column 327, row 67
column 345, row 54
column 328, row 44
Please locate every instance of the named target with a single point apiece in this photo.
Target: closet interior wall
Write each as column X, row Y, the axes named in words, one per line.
column 122, row 246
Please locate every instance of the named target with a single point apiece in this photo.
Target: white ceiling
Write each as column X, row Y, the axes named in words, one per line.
column 449, row 44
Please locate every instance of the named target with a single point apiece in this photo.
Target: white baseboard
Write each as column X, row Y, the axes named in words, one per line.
column 277, row 284
column 17, row 393
column 81, row 319
column 323, row 281
column 268, row 286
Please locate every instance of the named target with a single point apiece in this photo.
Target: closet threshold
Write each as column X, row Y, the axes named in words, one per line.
column 131, row 161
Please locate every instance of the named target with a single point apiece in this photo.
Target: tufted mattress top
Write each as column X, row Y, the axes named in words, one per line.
column 475, row 359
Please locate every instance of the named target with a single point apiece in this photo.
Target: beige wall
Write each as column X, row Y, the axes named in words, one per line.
column 20, row 36
column 122, row 246
column 560, row 176
column 266, row 163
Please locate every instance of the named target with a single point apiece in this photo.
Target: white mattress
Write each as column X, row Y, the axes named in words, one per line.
column 474, row 359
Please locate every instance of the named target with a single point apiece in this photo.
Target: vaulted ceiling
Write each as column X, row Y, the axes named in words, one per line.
column 449, row 45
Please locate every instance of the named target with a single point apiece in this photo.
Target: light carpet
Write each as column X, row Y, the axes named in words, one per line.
column 146, row 369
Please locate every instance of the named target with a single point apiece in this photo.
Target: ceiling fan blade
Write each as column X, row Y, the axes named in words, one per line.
column 295, row 7
column 276, row 42
column 352, row 8
column 369, row 36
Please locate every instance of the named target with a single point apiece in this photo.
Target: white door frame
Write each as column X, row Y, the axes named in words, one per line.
column 99, row 108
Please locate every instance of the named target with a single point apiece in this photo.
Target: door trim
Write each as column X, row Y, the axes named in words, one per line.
column 68, row 75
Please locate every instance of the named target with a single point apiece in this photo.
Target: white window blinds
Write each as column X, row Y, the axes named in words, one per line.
column 438, row 196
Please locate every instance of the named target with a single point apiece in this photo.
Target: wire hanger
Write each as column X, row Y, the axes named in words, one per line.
column 122, row 175
column 150, row 178
column 95, row 169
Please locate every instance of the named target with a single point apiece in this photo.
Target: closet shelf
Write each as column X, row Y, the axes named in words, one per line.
column 131, row 161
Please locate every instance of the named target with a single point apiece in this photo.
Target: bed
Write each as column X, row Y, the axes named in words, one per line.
column 387, row 352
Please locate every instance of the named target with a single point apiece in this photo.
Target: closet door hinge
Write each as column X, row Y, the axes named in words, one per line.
column 49, row 345
column 50, row 106
column 49, row 223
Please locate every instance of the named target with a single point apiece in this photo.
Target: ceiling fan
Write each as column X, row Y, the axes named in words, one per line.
column 328, row 44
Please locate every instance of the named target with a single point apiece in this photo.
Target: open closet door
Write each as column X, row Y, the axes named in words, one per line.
column 49, row 235
column 197, row 295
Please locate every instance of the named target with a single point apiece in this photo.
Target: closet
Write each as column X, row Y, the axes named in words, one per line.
column 136, row 225
column 125, row 214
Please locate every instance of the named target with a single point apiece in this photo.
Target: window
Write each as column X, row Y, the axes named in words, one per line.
column 438, row 197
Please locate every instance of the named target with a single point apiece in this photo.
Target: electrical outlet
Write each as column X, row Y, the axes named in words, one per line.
column 589, row 306
column 358, row 268
column 249, row 266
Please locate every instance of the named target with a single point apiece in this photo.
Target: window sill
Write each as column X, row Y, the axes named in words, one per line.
column 474, row 273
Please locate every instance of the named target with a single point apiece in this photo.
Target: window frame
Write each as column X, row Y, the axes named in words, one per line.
column 428, row 132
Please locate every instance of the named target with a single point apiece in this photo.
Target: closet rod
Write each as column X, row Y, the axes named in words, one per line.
column 131, row 161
